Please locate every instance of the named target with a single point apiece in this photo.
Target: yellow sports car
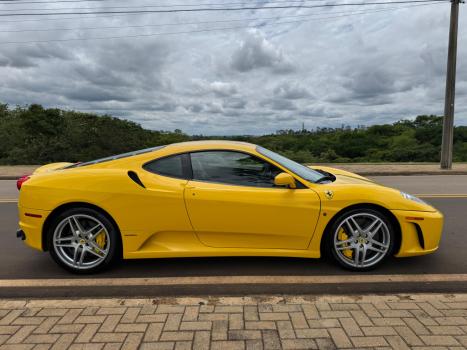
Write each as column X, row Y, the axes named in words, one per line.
column 217, row 198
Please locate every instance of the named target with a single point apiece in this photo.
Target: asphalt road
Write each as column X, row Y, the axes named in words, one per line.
column 20, row 262
column 8, row 189
column 428, row 184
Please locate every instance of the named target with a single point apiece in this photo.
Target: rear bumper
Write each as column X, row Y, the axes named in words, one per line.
column 31, row 222
column 421, row 232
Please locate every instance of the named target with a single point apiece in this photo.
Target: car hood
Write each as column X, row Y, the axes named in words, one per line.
column 349, row 187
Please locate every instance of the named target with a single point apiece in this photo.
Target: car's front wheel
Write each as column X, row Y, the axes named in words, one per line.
column 82, row 240
column 361, row 239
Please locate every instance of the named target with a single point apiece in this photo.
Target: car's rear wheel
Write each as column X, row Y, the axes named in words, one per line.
column 82, row 240
column 361, row 239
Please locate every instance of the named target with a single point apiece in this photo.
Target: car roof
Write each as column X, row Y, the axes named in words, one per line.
column 189, row 146
column 209, row 144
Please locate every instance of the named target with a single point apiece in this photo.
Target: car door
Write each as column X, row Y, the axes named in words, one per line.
column 232, row 202
column 161, row 206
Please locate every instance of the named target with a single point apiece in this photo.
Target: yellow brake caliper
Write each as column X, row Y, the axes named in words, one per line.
column 342, row 236
column 100, row 240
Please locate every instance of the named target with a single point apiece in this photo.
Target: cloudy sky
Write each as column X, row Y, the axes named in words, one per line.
column 236, row 72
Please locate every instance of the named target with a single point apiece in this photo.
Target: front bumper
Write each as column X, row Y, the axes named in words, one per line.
column 421, row 232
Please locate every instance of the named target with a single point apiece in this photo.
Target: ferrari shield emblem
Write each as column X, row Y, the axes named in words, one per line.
column 329, row 194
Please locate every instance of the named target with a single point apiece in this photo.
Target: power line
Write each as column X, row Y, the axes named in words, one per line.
column 14, row 2
column 87, row 17
column 180, row 32
column 149, row 6
column 71, row 18
column 207, row 9
column 207, row 22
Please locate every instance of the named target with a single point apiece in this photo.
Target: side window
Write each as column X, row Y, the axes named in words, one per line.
column 168, row 166
column 233, row 168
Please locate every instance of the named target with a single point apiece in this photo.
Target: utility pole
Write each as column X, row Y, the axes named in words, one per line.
column 448, row 120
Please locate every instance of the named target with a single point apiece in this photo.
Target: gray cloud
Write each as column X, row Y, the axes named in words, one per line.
column 291, row 91
column 319, row 112
column 279, row 104
column 218, row 88
column 365, row 69
column 94, row 94
column 32, row 56
column 256, row 52
column 370, row 84
column 195, row 108
column 236, row 103
column 214, row 108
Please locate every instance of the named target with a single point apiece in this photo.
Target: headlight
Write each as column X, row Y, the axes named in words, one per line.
column 412, row 198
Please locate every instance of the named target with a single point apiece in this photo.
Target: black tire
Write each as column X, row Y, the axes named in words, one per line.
column 113, row 249
column 344, row 261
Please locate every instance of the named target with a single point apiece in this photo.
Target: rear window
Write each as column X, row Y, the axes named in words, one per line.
column 118, row 156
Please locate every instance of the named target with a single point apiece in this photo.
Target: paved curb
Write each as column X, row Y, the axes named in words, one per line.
column 232, row 286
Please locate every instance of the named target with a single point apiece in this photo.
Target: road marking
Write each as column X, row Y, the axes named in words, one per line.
column 233, row 280
column 7, row 200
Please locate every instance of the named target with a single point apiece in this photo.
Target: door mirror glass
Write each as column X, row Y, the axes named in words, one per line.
column 284, row 179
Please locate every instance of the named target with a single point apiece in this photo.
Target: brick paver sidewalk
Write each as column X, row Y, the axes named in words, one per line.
column 328, row 322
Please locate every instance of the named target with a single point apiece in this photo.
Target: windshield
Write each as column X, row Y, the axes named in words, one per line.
column 118, row 156
column 297, row 168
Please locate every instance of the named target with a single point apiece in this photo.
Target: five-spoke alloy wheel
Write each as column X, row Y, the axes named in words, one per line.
column 82, row 240
column 361, row 239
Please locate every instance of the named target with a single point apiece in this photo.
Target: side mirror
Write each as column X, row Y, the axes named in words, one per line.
column 284, row 179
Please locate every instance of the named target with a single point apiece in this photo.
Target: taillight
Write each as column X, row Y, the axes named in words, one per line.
column 21, row 181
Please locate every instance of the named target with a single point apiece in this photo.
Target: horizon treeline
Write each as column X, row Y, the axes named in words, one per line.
column 38, row 135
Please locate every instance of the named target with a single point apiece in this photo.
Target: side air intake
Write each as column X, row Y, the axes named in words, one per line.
column 132, row 175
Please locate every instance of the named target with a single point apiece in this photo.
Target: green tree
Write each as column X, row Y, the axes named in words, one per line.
column 37, row 135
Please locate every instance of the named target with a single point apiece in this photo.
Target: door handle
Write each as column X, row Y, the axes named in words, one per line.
column 191, row 189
